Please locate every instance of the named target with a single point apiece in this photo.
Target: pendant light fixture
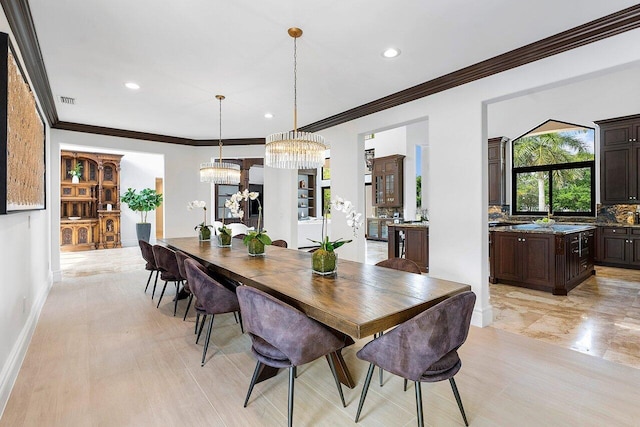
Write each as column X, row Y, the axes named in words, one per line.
column 220, row 172
column 294, row 149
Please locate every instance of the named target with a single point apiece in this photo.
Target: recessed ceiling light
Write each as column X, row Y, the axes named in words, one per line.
column 392, row 52
column 268, row 116
column 132, row 85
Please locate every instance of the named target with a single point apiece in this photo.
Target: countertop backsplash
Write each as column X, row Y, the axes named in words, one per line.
column 606, row 215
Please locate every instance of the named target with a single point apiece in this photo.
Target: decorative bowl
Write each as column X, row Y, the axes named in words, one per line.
column 545, row 222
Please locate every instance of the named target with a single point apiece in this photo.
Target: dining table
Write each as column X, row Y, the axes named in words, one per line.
column 359, row 300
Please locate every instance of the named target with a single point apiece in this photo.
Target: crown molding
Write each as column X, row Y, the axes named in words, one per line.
column 21, row 22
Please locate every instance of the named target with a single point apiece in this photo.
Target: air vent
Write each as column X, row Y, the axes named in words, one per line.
column 67, row 100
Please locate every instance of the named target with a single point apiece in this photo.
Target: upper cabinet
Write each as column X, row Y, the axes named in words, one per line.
column 387, row 181
column 619, row 160
column 497, row 171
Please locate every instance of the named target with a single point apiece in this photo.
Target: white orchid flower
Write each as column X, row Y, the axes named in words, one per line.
column 245, row 194
column 253, row 195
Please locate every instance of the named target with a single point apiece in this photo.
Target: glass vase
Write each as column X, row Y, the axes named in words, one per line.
column 324, row 262
column 205, row 233
column 224, row 240
column 255, row 247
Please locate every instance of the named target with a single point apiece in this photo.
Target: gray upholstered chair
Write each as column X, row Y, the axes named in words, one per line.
column 211, row 297
column 169, row 272
column 180, row 258
column 401, row 264
column 147, row 254
column 284, row 337
column 280, row 243
column 423, row 349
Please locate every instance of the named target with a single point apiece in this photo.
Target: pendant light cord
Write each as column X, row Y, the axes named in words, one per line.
column 220, row 127
column 295, row 85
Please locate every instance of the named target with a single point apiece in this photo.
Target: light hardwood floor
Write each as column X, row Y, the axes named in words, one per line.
column 103, row 355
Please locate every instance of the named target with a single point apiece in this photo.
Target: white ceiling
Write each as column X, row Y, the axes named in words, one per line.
column 183, row 53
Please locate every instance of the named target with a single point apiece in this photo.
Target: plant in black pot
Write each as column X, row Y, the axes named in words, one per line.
column 144, row 201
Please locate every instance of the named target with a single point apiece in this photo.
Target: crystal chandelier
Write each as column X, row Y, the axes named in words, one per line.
column 294, row 149
column 220, row 172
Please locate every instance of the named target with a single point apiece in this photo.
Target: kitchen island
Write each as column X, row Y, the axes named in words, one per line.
column 554, row 259
column 416, row 243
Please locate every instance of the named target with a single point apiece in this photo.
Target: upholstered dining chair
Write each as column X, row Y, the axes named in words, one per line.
column 147, row 254
column 240, row 236
column 237, row 228
column 180, row 258
column 212, row 298
column 423, row 349
column 281, row 243
column 401, row 264
column 169, row 271
column 284, row 337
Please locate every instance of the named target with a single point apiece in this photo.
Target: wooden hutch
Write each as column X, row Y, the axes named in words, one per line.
column 90, row 209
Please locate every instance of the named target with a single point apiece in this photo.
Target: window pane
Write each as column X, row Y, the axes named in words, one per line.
column 532, row 192
column 559, row 147
column 572, row 190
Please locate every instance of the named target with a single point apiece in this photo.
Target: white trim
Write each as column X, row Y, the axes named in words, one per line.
column 482, row 317
column 11, row 369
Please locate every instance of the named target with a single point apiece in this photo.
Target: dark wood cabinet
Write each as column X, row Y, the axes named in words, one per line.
column 416, row 243
column 548, row 262
column 378, row 228
column 497, row 183
column 387, row 181
column 619, row 247
column 619, row 160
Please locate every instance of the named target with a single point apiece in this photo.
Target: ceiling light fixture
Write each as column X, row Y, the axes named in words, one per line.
column 268, row 116
column 294, row 149
column 132, row 85
column 392, row 52
column 220, row 172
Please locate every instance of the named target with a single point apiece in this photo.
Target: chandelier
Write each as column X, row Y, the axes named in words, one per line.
column 220, row 172
column 294, row 149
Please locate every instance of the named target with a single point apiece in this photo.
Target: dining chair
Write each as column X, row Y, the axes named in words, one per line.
column 237, row 228
column 423, row 349
column 284, row 337
column 147, row 254
column 180, row 258
column 212, row 298
column 216, row 225
column 169, row 271
column 401, row 264
column 281, row 243
column 240, row 236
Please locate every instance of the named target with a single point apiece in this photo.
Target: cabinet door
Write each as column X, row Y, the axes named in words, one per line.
column 496, row 172
column 633, row 248
column 506, row 247
column 384, row 230
column 614, row 249
column 538, row 259
column 416, row 248
column 615, row 171
column 572, row 268
column 615, row 134
column 372, row 229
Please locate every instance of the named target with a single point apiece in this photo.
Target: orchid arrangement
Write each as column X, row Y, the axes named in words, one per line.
column 354, row 220
column 200, row 204
column 233, row 204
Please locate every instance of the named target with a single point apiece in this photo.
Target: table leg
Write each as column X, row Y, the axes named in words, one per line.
column 342, row 369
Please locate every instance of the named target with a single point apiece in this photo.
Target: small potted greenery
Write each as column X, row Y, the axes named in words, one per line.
column 76, row 173
column 224, row 236
column 204, row 230
column 144, row 201
column 255, row 240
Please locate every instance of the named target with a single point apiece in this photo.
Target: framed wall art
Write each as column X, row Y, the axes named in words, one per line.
column 22, row 138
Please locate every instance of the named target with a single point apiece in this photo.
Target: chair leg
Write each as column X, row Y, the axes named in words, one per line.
column 241, row 325
column 204, row 317
column 195, row 329
column 457, row 395
column 419, row 404
column 162, row 294
column 175, row 303
column 148, row 281
column 235, row 317
column 292, row 377
column 381, row 370
column 206, row 341
column 188, row 306
column 155, row 282
column 405, row 384
column 335, row 377
column 256, row 372
column 365, row 388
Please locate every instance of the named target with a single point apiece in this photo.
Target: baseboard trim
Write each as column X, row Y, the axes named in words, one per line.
column 11, row 369
column 482, row 317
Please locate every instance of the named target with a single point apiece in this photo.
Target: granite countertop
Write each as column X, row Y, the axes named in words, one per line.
column 560, row 229
column 411, row 224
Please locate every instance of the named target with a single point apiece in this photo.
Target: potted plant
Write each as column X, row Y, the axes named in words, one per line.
column 324, row 259
column 224, row 236
column 255, row 240
column 204, row 230
column 76, row 173
column 144, row 201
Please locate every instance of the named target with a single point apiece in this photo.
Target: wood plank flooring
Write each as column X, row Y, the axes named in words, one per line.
column 103, row 355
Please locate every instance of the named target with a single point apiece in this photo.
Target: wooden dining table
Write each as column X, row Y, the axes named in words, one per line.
column 360, row 300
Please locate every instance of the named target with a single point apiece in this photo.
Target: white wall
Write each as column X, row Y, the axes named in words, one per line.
column 25, row 263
